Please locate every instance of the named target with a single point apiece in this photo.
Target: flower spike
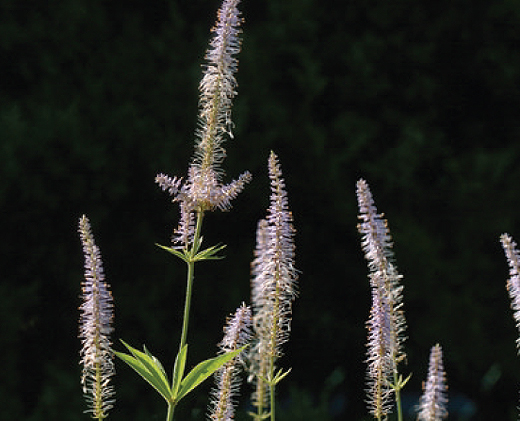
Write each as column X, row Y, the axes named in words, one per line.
column 203, row 189
column 237, row 333
column 386, row 325
column 513, row 283
column 433, row 402
column 95, row 329
column 273, row 287
column 217, row 88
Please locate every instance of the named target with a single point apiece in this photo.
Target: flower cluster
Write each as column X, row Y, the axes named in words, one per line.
column 95, row 329
column 203, row 189
column 386, row 324
column 433, row 402
column 237, row 333
column 513, row 283
column 273, row 283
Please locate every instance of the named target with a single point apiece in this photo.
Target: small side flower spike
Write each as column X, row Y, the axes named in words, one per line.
column 433, row 402
column 95, row 329
column 237, row 333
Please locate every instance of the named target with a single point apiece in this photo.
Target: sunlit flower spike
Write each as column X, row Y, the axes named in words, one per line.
column 203, row 189
column 386, row 324
column 95, row 329
column 237, row 333
column 433, row 403
column 273, row 290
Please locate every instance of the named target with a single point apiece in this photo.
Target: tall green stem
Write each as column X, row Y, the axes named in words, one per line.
column 189, row 281
column 187, row 304
column 190, row 261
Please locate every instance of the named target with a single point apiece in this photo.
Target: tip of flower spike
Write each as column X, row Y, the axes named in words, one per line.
column 217, row 89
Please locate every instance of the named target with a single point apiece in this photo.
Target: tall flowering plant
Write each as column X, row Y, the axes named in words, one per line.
column 202, row 191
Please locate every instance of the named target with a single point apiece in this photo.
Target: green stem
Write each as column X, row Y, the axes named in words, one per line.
column 189, row 281
column 397, row 391
column 272, row 388
column 399, row 408
column 187, row 304
column 169, row 415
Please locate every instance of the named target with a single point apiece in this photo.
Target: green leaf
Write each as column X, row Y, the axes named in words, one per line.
column 210, row 253
column 178, row 369
column 401, row 382
column 203, row 370
column 156, row 362
column 149, row 368
column 197, row 242
column 280, row 376
column 180, row 254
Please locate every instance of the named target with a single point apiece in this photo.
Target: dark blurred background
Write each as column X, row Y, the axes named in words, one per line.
column 420, row 98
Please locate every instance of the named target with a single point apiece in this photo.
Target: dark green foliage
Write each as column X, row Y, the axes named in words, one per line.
column 420, row 98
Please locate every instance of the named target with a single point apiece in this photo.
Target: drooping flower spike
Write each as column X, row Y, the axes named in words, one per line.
column 237, row 333
column 203, row 189
column 433, row 403
column 95, row 328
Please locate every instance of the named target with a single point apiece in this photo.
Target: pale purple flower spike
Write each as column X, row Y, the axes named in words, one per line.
column 386, row 324
column 203, row 189
column 273, row 284
column 95, row 329
column 237, row 333
column 513, row 283
column 433, row 403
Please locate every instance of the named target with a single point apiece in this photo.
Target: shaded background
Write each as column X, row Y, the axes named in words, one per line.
column 420, row 98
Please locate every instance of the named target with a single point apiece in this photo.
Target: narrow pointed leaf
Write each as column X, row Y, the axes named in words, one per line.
column 180, row 254
column 178, row 369
column 149, row 361
column 157, row 363
column 210, row 253
column 203, row 370
column 148, row 367
column 143, row 372
column 280, row 376
column 196, row 245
